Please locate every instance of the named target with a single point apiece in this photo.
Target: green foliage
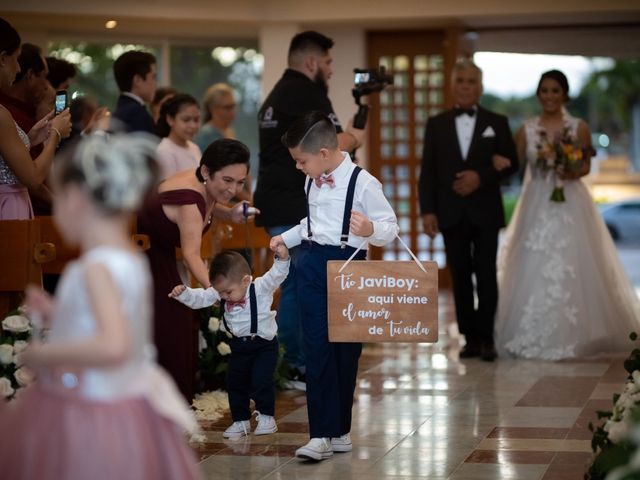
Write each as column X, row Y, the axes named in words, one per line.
column 94, row 63
column 195, row 69
column 509, row 201
column 517, row 109
column 632, row 363
column 611, row 92
column 192, row 70
column 611, row 456
column 605, row 102
column 608, row 455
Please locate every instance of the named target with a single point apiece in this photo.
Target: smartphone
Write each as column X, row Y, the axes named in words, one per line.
column 61, row 101
column 247, row 210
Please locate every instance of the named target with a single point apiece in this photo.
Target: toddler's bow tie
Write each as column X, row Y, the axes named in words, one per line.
column 239, row 303
column 328, row 179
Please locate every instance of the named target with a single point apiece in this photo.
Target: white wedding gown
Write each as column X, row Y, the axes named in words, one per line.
column 563, row 291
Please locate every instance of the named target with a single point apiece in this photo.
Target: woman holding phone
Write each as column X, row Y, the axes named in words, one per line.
column 17, row 171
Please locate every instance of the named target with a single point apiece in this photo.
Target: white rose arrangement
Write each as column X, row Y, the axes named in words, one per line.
column 16, row 324
column 616, row 441
column 214, row 351
column 14, row 339
column 223, row 348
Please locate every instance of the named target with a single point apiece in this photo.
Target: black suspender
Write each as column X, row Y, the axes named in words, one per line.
column 308, row 212
column 348, row 206
column 253, row 330
column 253, row 304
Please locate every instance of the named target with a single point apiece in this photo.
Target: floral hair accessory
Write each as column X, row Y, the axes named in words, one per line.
column 118, row 169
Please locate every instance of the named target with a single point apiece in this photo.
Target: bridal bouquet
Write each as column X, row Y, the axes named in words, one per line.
column 559, row 155
column 14, row 337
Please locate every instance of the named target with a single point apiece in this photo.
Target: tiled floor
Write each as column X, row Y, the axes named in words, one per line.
column 420, row 412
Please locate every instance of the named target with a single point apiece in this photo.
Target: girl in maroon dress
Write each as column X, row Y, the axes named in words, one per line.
column 178, row 216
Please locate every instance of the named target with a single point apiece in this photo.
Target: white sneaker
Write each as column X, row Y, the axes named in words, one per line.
column 317, row 449
column 266, row 424
column 295, row 385
column 238, row 429
column 342, row 444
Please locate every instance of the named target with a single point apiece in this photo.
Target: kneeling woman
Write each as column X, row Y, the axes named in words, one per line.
column 177, row 216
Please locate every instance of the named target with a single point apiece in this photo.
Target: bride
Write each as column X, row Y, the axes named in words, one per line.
column 563, row 292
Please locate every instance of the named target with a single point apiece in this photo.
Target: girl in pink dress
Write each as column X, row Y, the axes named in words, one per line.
column 101, row 407
column 178, row 123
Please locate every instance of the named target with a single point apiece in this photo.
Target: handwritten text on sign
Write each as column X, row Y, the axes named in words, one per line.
column 382, row 301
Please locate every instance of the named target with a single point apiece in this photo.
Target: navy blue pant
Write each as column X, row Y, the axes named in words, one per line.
column 250, row 375
column 331, row 367
column 289, row 327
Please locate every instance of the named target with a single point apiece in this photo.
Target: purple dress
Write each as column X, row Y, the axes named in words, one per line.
column 175, row 325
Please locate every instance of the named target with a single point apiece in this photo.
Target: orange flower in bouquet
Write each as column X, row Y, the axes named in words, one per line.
column 559, row 156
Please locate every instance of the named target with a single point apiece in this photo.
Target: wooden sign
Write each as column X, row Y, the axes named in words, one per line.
column 382, row 301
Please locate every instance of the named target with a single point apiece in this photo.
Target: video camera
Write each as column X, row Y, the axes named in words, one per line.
column 367, row 81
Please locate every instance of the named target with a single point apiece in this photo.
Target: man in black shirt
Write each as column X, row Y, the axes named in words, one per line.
column 280, row 192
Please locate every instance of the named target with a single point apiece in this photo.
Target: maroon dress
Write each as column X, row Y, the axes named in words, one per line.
column 175, row 325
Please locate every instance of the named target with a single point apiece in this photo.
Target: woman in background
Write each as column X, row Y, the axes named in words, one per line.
column 17, row 170
column 178, row 215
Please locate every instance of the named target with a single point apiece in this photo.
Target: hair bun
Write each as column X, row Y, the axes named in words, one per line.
column 119, row 169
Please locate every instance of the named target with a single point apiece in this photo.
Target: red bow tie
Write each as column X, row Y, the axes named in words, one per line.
column 239, row 303
column 328, row 179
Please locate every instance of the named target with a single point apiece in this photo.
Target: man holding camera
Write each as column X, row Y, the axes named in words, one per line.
column 280, row 192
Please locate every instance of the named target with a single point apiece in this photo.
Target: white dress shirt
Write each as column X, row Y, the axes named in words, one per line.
column 135, row 97
column 465, row 124
column 326, row 208
column 239, row 318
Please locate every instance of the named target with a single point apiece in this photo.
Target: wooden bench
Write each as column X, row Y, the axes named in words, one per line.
column 29, row 248
column 22, row 256
column 63, row 252
column 230, row 236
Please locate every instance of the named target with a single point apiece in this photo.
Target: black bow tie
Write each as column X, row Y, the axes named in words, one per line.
column 459, row 111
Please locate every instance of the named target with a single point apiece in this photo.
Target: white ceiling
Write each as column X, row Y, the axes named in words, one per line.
column 586, row 27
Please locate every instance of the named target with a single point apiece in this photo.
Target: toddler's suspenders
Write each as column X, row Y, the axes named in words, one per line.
column 253, row 304
column 348, row 206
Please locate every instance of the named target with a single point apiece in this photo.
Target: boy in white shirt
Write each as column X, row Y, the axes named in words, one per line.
column 245, row 309
column 345, row 207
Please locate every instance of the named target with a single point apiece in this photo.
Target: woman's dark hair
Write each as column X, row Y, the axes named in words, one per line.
column 172, row 107
column 30, row 58
column 222, row 153
column 9, row 38
column 559, row 77
column 311, row 132
column 162, row 92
